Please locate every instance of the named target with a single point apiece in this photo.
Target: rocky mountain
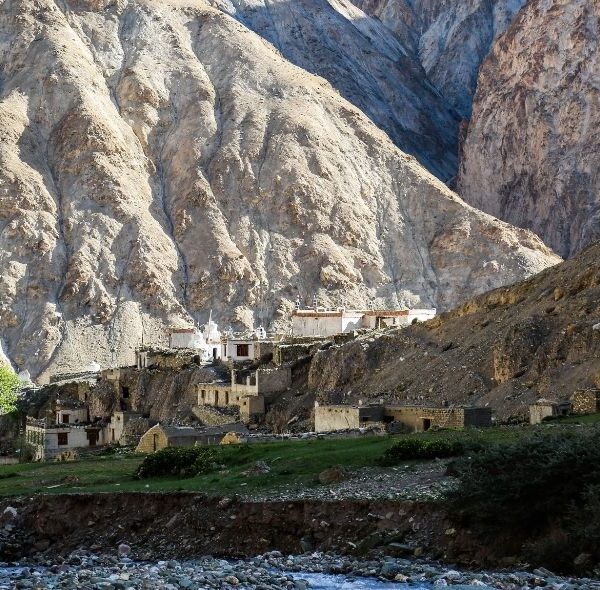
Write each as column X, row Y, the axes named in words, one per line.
column 505, row 349
column 534, row 139
column 159, row 160
column 370, row 66
column 450, row 38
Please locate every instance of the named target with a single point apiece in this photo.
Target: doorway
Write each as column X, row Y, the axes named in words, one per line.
column 426, row 424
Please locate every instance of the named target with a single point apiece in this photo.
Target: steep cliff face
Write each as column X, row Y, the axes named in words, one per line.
column 533, row 146
column 158, row 159
column 504, row 349
column 451, row 39
column 371, row 67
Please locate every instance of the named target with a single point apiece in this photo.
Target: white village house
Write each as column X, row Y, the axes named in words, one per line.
column 328, row 322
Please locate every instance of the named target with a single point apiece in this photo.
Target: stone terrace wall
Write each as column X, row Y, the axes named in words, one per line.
column 586, row 401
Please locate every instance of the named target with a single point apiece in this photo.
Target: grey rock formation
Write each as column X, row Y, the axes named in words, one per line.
column 532, row 151
column 451, row 38
column 369, row 65
column 158, row 159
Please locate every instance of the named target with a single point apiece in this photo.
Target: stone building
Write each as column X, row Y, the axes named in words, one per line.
column 586, row 401
column 321, row 322
column 161, row 436
column 420, row 419
column 246, row 391
column 545, row 408
column 253, row 346
column 71, row 411
column 341, row 417
column 50, row 440
column 413, row 418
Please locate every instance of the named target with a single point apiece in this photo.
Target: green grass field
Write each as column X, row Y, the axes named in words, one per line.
column 586, row 419
column 292, row 463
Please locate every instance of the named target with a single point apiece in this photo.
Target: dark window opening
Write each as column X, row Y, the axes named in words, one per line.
column 63, row 439
column 242, row 350
column 92, row 436
column 65, row 418
column 125, row 392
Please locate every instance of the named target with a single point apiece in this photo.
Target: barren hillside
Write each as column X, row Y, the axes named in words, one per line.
column 368, row 64
column 505, row 348
column 159, row 160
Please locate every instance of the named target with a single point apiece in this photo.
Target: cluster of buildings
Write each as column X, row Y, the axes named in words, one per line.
column 395, row 418
column 256, row 368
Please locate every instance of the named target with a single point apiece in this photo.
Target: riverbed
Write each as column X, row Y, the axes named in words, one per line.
column 271, row 571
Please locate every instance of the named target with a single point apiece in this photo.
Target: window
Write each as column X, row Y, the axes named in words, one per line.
column 65, row 418
column 63, row 439
column 242, row 350
column 125, row 392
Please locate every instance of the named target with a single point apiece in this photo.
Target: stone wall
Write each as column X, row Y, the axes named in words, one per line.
column 586, row 401
column 329, row 418
column 252, row 408
column 274, row 380
column 421, row 418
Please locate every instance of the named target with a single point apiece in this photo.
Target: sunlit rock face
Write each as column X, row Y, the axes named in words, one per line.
column 159, row 160
column 367, row 64
column 532, row 151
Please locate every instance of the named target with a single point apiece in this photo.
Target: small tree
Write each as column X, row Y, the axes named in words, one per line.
column 9, row 386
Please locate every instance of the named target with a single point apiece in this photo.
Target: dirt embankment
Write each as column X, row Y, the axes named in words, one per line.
column 180, row 525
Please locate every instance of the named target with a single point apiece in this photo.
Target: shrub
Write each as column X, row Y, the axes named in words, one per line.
column 9, row 386
column 177, row 461
column 543, row 489
column 421, row 448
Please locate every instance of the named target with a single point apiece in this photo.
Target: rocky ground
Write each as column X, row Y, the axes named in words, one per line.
column 83, row 569
column 416, row 482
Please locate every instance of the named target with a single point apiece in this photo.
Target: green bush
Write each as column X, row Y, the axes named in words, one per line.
column 542, row 490
column 177, row 461
column 411, row 448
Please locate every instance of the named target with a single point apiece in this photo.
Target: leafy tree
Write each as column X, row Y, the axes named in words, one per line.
column 9, row 386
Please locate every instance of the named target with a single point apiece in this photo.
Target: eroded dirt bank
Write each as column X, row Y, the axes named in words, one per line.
column 180, row 525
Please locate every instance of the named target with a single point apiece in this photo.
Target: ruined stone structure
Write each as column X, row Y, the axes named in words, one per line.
column 162, row 358
column 161, row 436
column 246, row 390
column 71, row 411
column 586, row 401
column 126, row 428
column 545, row 408
column 413, row 418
